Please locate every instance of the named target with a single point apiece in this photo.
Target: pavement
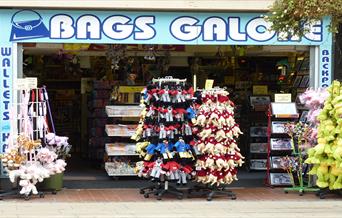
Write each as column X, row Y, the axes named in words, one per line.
column 179, row 209
column 105, row 203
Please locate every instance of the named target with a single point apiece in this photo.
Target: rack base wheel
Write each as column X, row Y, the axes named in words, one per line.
column 26, row 197
column 41, row 195
column 321, row 196
column 142, row 192
column 233, row 197
column 301, row 192
column 146, row 195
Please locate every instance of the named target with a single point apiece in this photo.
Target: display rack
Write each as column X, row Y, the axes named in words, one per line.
column 280, row 143
column 29, row 118
column 257, row 152
column 97, row 118
column 121, row 154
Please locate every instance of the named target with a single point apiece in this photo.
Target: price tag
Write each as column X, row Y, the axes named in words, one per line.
column 32, row 82
column 21, row 84
column 131, row 89
column 209, row 84
column 282, row 98
column 260, row 90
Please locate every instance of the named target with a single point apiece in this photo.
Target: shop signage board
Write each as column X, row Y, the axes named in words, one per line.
column 282, row 98
column 260, row 90
column 143, row 27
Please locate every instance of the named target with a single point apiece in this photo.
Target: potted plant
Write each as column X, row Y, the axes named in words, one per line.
column 59, row 145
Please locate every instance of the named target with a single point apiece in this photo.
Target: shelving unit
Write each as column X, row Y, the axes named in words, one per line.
column 97, row 118
column 121, row 154
column 280, row 143
column 257, row 152
column 120, row 149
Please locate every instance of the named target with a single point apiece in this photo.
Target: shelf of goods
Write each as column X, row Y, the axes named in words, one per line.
column 119, row 169
column 280, row 144
column 121, row 154
column 257, row 118
column 258, row 148
column 120, row 130
column 123, row 110
column 120, row 149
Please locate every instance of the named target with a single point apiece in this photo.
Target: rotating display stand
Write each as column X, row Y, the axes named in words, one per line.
column 164, row 136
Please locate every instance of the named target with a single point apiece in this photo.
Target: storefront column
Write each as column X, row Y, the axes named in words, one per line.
column 314, row 66
column 325, row 61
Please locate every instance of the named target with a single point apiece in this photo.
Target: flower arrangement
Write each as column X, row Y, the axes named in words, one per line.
column 29, row 162
column 301, row 134
column 290, row 165
column 58, row 144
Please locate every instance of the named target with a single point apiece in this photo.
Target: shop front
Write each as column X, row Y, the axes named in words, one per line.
column 240, row 43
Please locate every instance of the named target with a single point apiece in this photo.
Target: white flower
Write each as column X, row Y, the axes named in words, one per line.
column 274, row 13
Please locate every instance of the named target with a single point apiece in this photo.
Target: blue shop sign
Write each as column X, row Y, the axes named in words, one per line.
column 113, row 27
column 149, row 28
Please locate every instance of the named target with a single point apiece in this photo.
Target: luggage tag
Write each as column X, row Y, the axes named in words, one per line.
column 28, row 29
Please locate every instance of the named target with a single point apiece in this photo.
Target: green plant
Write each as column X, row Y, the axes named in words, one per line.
column 289, row 16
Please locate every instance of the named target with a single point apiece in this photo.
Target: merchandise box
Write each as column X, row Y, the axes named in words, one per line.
column 258, row 131
column 119, row 168
column 123, row 110
column 258, row 164
column 280, row 179
column 120, row 130
column 281, row 144
column 258, row 147
column 275, row 162
column 279, row 127
column 260, row 102
column 119, row 148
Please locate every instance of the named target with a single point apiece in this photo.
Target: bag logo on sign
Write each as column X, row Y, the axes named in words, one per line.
column 27, row 29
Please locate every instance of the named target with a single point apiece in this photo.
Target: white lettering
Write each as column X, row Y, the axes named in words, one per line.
column 185, row 28
column 215, row 28
column 117, row 27
column 88, row 27
column 234, row 30
column 146, row 31
column 315, row 33
column 61, row 27
column 258, row 30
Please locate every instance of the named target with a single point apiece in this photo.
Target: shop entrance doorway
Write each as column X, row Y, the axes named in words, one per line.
column 82, row 79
